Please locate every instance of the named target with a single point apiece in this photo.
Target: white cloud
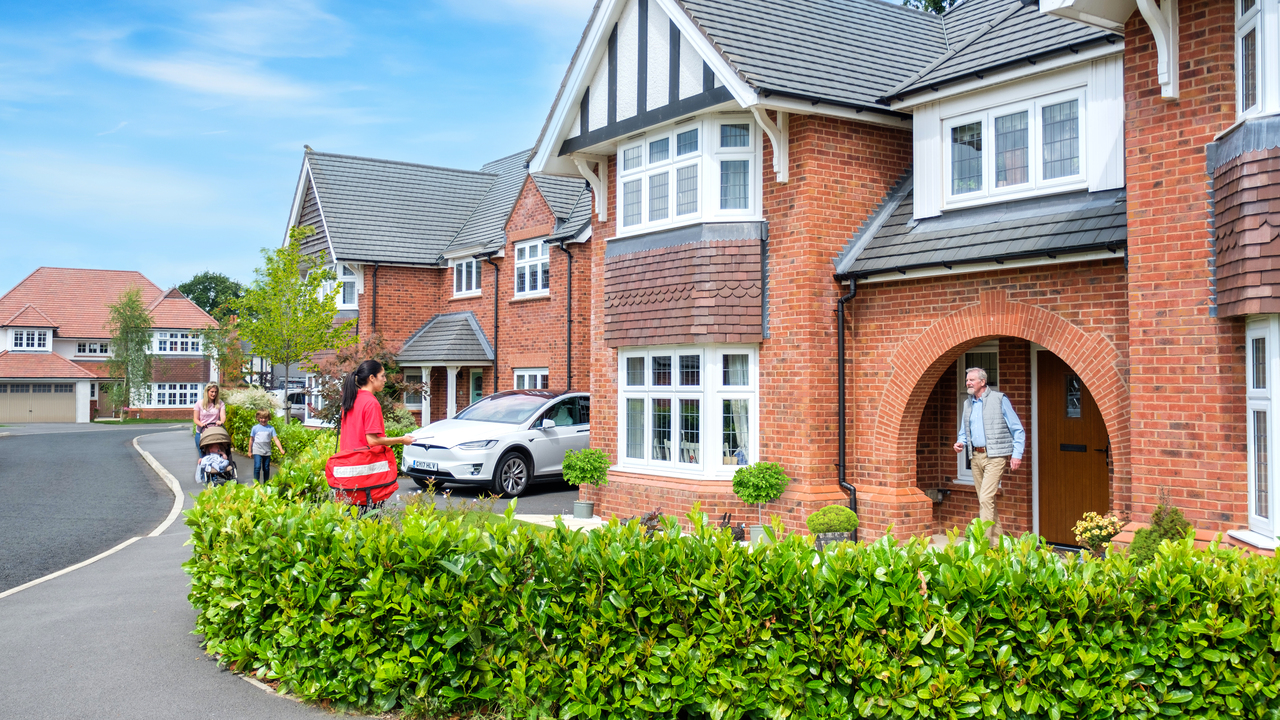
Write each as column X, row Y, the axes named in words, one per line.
column 230, row 79
column 291, row 28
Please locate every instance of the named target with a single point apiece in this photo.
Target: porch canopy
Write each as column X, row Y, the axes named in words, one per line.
column 451, row 341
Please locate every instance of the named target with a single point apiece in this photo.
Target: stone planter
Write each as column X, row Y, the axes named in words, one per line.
column 584, row 509
column 757, row 534
column 821, row 540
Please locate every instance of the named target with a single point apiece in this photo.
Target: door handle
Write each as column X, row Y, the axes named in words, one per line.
column 583, row 431
column 1100, row 450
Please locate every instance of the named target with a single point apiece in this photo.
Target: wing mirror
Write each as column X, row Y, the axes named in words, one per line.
column 548, row 423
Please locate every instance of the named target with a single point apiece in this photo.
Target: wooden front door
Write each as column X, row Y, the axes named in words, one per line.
column 1072, row 448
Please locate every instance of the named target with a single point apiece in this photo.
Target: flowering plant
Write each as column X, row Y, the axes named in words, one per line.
column 1094, row 531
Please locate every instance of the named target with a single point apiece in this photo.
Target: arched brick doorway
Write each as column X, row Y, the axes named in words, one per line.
column 917, row 364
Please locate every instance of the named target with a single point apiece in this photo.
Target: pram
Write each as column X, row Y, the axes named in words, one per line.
column 216, row 435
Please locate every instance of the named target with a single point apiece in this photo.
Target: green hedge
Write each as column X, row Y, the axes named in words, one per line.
column 424, row 610
column 295, row 437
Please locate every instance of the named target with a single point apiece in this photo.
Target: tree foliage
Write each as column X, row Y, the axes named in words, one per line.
column 285, row 313
column 222, row 347
column 331, row 369
column 937, row 7
column 130, row 326
column 214, row 292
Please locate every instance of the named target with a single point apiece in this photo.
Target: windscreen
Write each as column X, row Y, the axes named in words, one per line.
column 510, row 409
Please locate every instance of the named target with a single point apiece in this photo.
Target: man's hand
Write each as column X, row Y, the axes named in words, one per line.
column 1014, row 463
column 958, row 447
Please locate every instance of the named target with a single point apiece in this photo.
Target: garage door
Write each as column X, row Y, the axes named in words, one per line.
column 37, row 402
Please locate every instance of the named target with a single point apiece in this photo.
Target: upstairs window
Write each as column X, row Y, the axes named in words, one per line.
column 533, row 269
column 466, row 277
column 347, row 286
column 30, row 339
column 531, row 378
column 1015, row 149
column 88, row 348
column 1248, row 12
column 182, row 343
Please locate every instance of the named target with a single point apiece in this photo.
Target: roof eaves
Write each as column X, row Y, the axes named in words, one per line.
column 1110, row 246
column 716, row 46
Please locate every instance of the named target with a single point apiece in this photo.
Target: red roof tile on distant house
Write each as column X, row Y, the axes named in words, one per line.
column 96, row 368
column 40, row 365
column 30, row 316
column 75, row 301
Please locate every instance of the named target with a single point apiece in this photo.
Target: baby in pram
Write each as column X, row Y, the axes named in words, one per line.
column 215, row 466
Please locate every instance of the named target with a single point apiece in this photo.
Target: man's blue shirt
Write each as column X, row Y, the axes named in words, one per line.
column 979, row 433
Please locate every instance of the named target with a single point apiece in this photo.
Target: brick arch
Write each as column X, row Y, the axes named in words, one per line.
column 918, row 365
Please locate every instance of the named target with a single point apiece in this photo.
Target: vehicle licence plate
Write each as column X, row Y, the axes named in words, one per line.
column 422, row 465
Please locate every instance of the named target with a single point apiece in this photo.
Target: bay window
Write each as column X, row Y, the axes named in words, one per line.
column 690, row 410
column 466, row 277
column 697, row 171
column 1015, row 149
column 533, row 268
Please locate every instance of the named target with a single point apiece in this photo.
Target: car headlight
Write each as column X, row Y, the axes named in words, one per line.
column 477, row 445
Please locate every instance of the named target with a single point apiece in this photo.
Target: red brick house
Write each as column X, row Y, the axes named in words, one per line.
column 419, row 252
column 775, row 182
column 54, row 343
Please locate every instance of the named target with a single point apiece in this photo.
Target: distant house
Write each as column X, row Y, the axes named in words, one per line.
column 465, row 273
column 54, row 344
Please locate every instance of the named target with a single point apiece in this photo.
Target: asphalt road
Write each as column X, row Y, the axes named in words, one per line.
column 67, row 494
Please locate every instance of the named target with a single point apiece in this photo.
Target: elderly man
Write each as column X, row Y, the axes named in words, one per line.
column 990, row 429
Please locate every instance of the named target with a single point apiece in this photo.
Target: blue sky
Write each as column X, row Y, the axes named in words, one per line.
column 167, row 137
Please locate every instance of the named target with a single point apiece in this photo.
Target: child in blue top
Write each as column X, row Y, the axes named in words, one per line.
column 260, row 439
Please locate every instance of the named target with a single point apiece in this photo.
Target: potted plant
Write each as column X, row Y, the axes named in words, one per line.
column 1094, row 532
column 831, row 524
column 591, row 467
column 758, row 484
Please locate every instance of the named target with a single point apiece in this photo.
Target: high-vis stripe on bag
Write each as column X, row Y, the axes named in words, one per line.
column 358, row 470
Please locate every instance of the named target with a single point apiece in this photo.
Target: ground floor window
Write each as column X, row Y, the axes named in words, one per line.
column 173, row 394
column 531, row 378
column 688, row 409
column 1262, row 369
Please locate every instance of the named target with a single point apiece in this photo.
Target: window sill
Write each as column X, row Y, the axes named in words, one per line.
column 466, row 296
column 725, row 475
column 531, row 296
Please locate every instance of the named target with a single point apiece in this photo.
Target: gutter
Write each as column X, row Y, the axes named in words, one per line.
column 488, row 257
column 568, row 340
column 842, row 453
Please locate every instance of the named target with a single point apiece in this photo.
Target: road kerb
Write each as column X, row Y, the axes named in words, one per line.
column 168, row 478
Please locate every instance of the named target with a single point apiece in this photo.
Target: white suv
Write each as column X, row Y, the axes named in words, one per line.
column 507, row 441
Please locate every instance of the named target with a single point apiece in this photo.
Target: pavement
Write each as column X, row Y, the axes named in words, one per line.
column 113, row 639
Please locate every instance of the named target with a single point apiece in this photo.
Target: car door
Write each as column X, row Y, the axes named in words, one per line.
column 549, row 444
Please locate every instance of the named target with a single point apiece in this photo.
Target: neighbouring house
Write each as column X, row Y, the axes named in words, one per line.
column 54, row 344
column 470, row 275
column 787, row 195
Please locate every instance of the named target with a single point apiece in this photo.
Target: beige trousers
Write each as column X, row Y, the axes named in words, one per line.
column 986, row 479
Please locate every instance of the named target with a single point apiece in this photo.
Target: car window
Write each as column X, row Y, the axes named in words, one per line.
column 510, row 409
column 584, row 410
column 565, row 413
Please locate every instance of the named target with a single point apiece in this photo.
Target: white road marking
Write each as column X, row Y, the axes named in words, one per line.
column 64, row 571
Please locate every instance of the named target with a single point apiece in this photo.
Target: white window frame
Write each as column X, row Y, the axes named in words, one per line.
column 521, row 378
column 706, row 159
column 92, row 348
column 964, row 476
column 1266, row 328
column 30, row 340
column 522, row 265
column 457, row 277
column 168, row 395
column 348, row 277
column 186, row 342
column 1036, row 184
column 710, row 393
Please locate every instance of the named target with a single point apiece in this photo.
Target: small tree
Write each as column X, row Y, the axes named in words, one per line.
column 222, row 347
column 760, row 483
column 330, row 370
column 285, row 314
column 130, row 326
column 213, row 292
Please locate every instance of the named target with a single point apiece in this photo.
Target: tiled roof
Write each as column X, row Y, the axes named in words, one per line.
column 579, row 218
column 847, row 51
column 75, row 300
column 174, row 310
column 96, row 368
column 388, row 211
column 489, row 219
column 984, row 34
column 40, row 365
column 561, row 193
column 1046, row 226
column 450, row 337
column 29, row 316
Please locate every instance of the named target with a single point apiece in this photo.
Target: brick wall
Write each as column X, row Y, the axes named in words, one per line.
column 1187, row 366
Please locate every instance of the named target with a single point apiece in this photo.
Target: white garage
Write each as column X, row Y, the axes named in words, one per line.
column 37, row 402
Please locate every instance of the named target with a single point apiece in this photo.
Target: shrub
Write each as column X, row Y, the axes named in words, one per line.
column 1167, row 523
column 760, row 483
column 253, row 398
column 427, row 610
column 1142, row 549
column 589, row 466
column 832, row 518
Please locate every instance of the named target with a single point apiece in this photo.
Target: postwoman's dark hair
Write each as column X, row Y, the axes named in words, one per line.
column 356, row 380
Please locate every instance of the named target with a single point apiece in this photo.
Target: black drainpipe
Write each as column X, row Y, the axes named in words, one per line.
column 568, row 340
column 840, row 362
column 374, row 321
column 489, row 259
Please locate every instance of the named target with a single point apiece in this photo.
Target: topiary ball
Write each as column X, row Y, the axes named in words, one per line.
column 832, row 518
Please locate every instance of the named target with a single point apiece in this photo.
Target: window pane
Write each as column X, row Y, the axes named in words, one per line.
column 521, row 253
column 690, row 433
column 1073, row 396
column 348, row 293
column 520, row 280
column 661, row 429
column 1246, row 6
column 691, row 370
column 985, row 360
column 662, row 370
column 1011, row 149
column 545, row 382
column 520, row 382
column 687, row 190
column 1249, row 70
column 687, row 142
column 1061, row 140
column 1261, row 480
column 733, row 184
column 457, row 283
column 632, row 157
column 658, row 196
column 735, row 370
column 635, row 428
column 966, row 158
column 631, row 203
column 635, row 371
column 736, row 436
column 732, row 136
column 546, row 275
column 1260, row 363
column 659, row 150
column 468, row 270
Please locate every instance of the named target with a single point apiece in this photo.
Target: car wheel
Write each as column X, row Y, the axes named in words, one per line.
column 512, row 476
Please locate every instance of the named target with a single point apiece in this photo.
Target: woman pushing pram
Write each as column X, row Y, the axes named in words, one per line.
column 216, row 465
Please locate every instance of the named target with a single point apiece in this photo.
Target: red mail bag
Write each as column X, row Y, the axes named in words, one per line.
column 363, row 476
